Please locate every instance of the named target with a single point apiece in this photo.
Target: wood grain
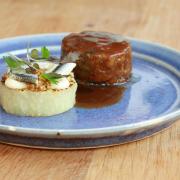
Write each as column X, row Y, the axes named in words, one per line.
column 155, row 158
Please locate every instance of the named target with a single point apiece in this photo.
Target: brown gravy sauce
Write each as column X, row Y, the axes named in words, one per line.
column 97, row 97
column 89, row 41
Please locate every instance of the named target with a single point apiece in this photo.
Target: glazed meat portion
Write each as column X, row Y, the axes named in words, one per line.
column 100, row 57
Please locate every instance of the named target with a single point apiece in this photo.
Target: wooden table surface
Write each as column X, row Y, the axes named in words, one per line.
column 157, row 157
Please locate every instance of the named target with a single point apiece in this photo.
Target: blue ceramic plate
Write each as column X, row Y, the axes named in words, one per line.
column 146, row 107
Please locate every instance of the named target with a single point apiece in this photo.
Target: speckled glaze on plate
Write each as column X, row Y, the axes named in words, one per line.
column 148, row 106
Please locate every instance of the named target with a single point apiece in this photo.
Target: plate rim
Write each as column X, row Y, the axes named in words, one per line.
column 91, row 132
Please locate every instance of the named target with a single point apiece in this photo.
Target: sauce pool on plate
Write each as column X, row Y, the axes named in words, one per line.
column 98, row 96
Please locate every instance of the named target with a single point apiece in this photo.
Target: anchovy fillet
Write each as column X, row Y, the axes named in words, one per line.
column 29, row 78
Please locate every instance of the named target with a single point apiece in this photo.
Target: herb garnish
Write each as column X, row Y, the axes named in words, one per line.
column 45, row 52
column 13, row 63
column 51, row 77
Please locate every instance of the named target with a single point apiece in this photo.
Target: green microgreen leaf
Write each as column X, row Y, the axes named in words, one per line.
column 35, row 54
column 51, row 77
column 13, row 63
column 45, row 52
